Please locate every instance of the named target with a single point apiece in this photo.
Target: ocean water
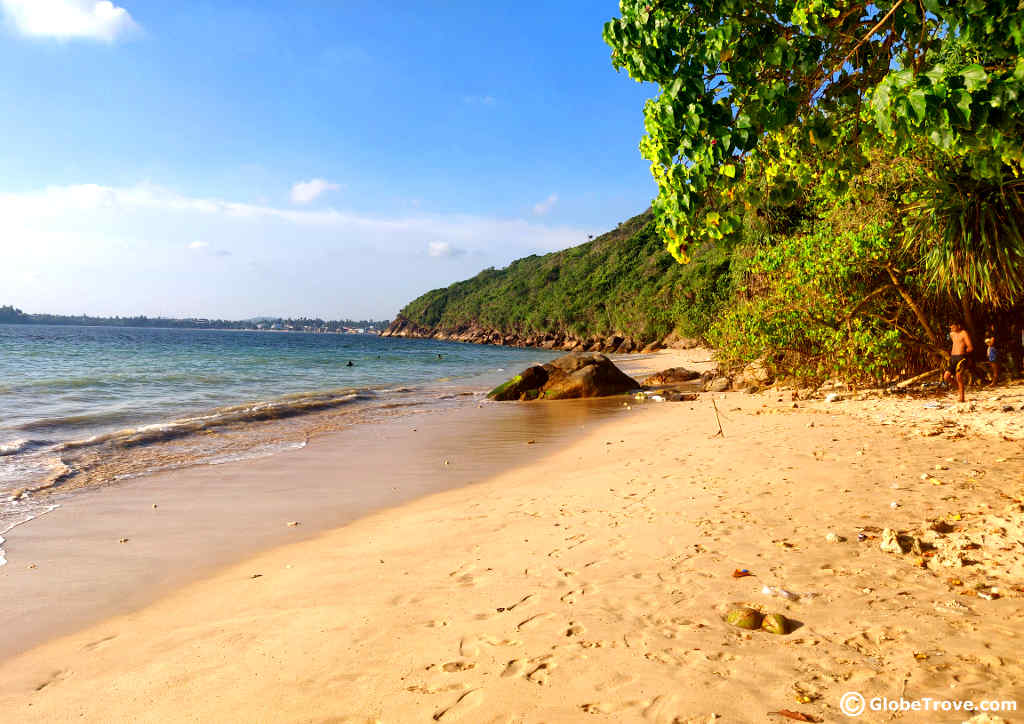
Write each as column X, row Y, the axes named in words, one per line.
column 101, row 403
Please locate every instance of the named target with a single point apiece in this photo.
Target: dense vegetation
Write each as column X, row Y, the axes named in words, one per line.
column 12, row 315
column 862, row 162
column 622, row 283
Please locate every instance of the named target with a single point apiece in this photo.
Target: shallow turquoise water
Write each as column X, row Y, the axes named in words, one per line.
column 66, row 392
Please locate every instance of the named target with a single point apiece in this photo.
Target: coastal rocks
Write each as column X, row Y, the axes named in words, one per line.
column 472, row 333
column 671, row 376
column 718, row 384
column 674, row 341
column 572, row 376
column 755, row 374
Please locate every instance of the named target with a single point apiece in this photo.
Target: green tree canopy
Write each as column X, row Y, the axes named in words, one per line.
column 763, row 100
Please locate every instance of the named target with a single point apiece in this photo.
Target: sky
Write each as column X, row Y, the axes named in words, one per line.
column 235, row 159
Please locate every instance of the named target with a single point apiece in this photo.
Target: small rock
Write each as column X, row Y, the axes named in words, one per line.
column 834, row 538
column 833, row 397
column 123, row 540
column 292, row 523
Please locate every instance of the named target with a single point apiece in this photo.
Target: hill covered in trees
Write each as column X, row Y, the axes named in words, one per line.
column 621, row 291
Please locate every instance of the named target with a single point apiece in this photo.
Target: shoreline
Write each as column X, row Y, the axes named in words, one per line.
column 591, row 583
column 125, row 543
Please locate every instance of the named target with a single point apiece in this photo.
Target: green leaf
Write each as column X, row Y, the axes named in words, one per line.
column 974, row 77
column 728, row 170
column 919, row 103
column 963, row 104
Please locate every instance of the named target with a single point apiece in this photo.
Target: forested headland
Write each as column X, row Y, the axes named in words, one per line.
column 836, row 180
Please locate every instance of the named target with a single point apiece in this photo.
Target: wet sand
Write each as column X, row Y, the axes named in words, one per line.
column 68, row 568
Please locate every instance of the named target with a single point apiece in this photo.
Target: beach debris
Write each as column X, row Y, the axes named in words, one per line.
column 530, row 442
column 292, row 523
column 794, row 715
column 256, row 575
column 155, row 506
column 744, row 617
column 833, row 397
column 894, row 505
column 780, row 593
column 32, row 565
column 894, row 542
column 775, row 623
column 832, row 537
column 741, row 573
column 122, row 540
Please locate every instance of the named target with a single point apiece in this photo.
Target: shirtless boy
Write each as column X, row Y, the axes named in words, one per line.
column 960, row 356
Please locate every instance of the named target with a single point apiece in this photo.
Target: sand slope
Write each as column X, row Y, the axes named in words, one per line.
column 588, row 587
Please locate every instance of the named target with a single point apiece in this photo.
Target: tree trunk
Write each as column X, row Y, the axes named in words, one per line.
column 914, row 307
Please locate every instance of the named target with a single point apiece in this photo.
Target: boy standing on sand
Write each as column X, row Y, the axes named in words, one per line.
column 959, row 357
column 993, row 357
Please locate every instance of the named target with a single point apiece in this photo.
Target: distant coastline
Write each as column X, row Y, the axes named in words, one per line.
column 13, row 315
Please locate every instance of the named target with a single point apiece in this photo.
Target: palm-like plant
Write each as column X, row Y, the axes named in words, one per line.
column 968, row 236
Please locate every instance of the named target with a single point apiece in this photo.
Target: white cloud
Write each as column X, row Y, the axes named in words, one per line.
column 258, row 257
column 443, row 248
column 546, row 205
column 68, row 19
column 305, row 191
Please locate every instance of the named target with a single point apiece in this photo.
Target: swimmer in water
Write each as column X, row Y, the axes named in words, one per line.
column 350, row 364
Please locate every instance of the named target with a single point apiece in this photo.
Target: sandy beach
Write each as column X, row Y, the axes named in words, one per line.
column 590, row 584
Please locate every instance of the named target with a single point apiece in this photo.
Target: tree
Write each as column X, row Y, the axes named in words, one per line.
column 762, row 100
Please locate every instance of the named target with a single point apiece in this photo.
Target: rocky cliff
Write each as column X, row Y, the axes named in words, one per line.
column 475, row 334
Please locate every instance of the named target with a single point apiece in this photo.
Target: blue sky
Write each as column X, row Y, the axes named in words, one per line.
column 233, row 159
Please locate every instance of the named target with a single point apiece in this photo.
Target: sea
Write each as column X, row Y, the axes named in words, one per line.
column 88, row 406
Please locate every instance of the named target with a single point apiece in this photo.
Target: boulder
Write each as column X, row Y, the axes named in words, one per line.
column 718, row 384
column 532, row 378
column 671, row 376
column 571, row 376
column 754, row 374
column 674, row 341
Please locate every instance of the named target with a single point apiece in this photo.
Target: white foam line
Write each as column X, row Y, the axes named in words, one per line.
column 12, row 526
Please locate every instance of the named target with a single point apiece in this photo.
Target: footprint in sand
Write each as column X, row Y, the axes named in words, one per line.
column 574, row 629
column 58, row 675
column 100, row 643
column 515, row 667
column 464, row 704
column 524, row 601
column 572, row 596
column 533, row 621
column 453, row 666
column 540, row 674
